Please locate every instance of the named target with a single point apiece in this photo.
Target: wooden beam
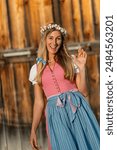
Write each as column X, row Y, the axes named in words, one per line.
column 29, row 54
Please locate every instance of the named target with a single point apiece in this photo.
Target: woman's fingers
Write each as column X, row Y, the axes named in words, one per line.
column 33, row 142
column 82, row 53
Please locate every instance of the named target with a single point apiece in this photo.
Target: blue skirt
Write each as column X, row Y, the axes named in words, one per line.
column 71, row 124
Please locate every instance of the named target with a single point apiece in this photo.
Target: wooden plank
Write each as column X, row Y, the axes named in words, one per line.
column 42, row 136
column 21, row 71
column 77, row 21
column 9, row 95
column 93, row 83
column 41, row 14
column 25, row 137
column 46, row 10
column 13, row 138
column 1, row 99
column 27, row 21
column 96, row 11
column 3, row 141
column 16, row 10
column 56, row 11
column 4, row 29
column 34, row 21
column 88, row 22
column 67, row 18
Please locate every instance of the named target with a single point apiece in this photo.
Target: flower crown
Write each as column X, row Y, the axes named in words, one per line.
column 52, row 26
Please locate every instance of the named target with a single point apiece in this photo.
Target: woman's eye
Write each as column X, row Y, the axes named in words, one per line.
column 59, row 38
column 50, row 38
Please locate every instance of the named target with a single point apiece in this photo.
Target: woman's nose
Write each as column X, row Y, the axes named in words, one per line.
column 54, row 41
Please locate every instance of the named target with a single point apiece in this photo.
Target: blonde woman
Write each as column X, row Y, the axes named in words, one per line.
column 71, row 124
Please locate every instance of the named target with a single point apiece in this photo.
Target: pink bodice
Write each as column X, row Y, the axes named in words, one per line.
column 53, row 81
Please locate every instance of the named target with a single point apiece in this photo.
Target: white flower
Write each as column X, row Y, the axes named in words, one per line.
column 51, row 26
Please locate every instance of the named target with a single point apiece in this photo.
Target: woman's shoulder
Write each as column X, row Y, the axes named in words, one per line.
column 33, row 73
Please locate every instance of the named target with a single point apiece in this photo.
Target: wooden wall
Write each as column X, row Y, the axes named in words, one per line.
column 20, row 22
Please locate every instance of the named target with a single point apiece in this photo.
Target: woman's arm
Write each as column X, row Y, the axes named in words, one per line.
column 81, row 82
column 80, row 61
column 37, row 114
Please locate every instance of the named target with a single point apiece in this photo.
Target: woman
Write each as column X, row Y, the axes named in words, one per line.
column 71, row 124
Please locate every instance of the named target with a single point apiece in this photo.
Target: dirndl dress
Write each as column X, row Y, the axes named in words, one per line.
column 70, row 121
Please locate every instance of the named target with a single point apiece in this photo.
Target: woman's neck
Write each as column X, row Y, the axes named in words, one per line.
column 51, row 59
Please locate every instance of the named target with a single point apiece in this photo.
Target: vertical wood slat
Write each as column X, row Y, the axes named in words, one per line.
column 87, row 17
column 13, row 138
column 56, row 11
column 34, row 21
column 67, row 18
column 47, row 11
column 16, row 9
column 77, row 21
column 25, row 138
column 17, row 101
column 93, row 80
column 41, row 14
column 1, row 101
column 9, row 94
column 4, row 29
column 96, row 12
column 24, row 103
column 27, row 21
column 3, row 142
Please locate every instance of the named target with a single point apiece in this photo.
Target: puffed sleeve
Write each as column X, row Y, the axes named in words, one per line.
column 32, row 74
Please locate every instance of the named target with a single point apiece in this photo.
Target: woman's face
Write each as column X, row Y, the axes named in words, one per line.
column 53, row 42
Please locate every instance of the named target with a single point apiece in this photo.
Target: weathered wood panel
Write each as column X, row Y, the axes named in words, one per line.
column 96, row 13
column 94, row 83
column 24, row 103
column 4, row 26
column 87, row 17
column 77, row 21
column 40, row 14
column 13, row 138
column 16, row 13
column 22, row 20
column 9, row 95
column 80, row 18
column 16, row 94
column 67, row 18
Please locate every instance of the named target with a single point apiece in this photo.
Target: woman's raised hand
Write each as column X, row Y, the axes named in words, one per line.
column 81, row 58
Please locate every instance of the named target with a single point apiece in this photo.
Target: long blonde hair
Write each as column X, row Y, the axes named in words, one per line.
column 63, row 58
